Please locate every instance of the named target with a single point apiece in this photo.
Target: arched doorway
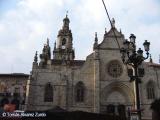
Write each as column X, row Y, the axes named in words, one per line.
column 116, row 101
column 118, row 96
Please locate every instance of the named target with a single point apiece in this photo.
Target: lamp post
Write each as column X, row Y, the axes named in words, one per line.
column 134, row 58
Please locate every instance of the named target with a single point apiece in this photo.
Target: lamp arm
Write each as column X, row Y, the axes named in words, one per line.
column 131, row 64
column 133, row 45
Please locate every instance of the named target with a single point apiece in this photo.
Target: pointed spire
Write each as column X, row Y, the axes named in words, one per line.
column 36, row 57
column 67, row 14
column 113, row 23
column 46, row 53
column 95, row 41
column 120, row 31
column 47, row 41
column 55, row 45
column 96, row 38
column 150, row 60
column 66, row 21
column 105, row 30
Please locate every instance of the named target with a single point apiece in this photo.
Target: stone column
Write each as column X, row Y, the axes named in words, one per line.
column 96, row 83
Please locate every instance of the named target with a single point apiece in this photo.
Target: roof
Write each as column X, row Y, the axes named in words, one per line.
column 70, row 62
column 78, row 62
column 14, row 75
column 153, row 64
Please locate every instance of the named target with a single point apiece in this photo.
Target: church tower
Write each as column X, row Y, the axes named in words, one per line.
column 63, row 48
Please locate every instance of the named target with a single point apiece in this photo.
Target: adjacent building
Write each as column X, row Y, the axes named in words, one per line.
column 13, row 89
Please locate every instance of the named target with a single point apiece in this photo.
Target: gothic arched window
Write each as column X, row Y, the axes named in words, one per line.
column 150, row 90
column 79, row 92
column 48, row 93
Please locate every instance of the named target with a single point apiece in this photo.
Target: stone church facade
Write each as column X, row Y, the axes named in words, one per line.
column 98, row 84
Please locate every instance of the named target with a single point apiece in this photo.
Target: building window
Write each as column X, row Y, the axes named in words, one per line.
column 16, row 92
column 79, row 90
column 150, row 90
column 48, row 93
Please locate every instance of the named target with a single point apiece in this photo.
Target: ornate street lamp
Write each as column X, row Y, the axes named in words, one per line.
column 135, row 58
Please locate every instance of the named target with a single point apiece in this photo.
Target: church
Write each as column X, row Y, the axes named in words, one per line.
column 99, row 84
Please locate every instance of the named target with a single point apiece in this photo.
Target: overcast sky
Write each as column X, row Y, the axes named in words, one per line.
column 26, row 24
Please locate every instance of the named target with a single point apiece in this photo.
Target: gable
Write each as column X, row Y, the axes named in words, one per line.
column 109, row 40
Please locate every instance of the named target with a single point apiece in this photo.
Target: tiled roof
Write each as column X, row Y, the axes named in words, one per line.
column 14, row 74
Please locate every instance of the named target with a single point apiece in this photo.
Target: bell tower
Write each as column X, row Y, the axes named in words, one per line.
column 63, row 49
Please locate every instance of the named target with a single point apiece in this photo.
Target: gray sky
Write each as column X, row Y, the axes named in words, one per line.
column 26, row 24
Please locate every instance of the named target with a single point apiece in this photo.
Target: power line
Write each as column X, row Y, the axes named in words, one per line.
column 111, row 23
